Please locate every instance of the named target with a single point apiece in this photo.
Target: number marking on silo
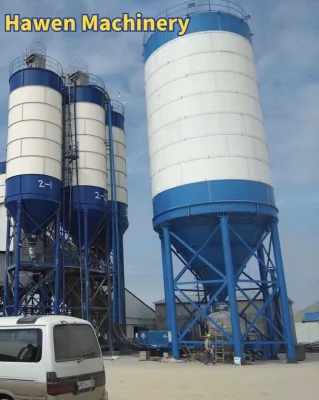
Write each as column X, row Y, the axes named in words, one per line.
column 44, row 185
column 100, row 196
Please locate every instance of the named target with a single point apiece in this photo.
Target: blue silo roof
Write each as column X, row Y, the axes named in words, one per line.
column 117, row 120
column 87, row 94
column 199, row 22
column 35, row 77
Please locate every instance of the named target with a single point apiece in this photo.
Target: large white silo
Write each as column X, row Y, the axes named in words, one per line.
column 86, row 137
column 33, row 170
column 119, row 146
column 205, row 121
column 118, row 204
column 213, row 199
column 89, row 115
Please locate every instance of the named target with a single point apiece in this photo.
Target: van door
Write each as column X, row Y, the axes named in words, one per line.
column 78, row 362
column 22, row 370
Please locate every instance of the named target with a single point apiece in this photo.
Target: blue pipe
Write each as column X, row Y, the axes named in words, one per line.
column 63, row 201
column 231, row 285
column 171, row 304
column 17, row 254
column 291, row 354
column 78, row 200
column 113, row 194
column 122, row 281
column 6, row 280
column 57, row 265
column 117, row 305
column 168, row 321
column 86, row 267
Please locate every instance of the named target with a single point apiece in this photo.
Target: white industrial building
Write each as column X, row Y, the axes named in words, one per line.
column 307, row 324
column 139, row 316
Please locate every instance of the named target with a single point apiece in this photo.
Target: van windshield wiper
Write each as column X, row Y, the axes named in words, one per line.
column 86, row 355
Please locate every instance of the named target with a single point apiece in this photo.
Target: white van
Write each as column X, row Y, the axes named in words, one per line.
column 50, row 357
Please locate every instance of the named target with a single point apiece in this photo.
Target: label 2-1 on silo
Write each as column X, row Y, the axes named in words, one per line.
column 42, row 184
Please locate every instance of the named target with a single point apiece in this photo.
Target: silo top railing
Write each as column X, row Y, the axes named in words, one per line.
column 88, row 79
column 117, row 107
column 96, row 81
column 199, row 6
column 51, row 64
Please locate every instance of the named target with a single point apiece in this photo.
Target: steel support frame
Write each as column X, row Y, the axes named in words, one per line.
column 93, row 300
column 19, row 299
column 98, row 297
column 271, row 286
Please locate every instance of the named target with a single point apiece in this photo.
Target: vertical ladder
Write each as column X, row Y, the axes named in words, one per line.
column 71, row 155
column 71, row 148
column 219, row 348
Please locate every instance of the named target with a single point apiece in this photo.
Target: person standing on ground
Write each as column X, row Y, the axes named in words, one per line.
column 208, row 349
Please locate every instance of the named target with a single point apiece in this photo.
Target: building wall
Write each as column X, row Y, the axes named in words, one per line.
column 182, row 315
column 307, row 332
column 138, row 315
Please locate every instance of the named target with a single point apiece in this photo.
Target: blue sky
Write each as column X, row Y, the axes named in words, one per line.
column 285, row 42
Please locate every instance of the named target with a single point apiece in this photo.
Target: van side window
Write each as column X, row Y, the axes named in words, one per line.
column 20, row 345
column 74, row 341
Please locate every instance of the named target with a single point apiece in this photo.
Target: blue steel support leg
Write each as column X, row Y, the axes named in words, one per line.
column 115, row 272
column 17, row 254
column 86, row 266
column 109, row 292
column 277, row 311
column 57, row 265
column 286, row 319
column 171, row 304
column 231, row 285
column 6, row 278
column 265, row 294
column 119, row 274
column 114, row 276
column 168, row 321
column 122, row 284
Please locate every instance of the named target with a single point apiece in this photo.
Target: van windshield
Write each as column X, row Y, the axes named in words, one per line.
column 75, row 342
column 20, row 345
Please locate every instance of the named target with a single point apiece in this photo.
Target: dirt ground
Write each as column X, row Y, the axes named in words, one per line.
column 131, row 379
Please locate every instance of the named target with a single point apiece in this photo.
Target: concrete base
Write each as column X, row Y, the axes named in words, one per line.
column 144, row 355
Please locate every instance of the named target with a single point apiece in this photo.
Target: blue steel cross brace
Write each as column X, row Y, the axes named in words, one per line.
column 21, row 299
column 270, row 285
column 170, row 291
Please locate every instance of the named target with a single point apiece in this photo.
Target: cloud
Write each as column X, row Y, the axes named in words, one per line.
column 285, row 46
